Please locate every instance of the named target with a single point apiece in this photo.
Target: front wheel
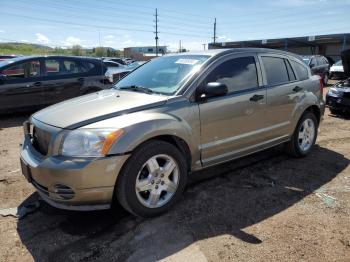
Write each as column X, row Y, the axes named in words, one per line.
column 152, row 180
column 304, row 136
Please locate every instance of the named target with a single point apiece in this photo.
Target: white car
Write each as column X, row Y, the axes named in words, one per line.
column 115, row 71
column 336, row 70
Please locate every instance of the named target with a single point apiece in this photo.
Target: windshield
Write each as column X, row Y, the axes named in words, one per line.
column 164, row 75
column 339, row 63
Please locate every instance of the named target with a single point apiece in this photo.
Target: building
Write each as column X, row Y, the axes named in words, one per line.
column 327, row 45
column 144, row 52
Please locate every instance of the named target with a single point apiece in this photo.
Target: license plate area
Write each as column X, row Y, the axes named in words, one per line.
column 26, row 171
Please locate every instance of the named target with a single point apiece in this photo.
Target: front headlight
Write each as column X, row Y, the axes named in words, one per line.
column 89, row 142
column 334, row 92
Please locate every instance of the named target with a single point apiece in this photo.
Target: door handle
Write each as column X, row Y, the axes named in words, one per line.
column 81, row 79
column 256, row 98
column 37, row 84
column 297, row 89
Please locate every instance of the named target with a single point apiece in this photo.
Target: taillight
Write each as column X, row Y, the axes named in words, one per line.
column 321, row 87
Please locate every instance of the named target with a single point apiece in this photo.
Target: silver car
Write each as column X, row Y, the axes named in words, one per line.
column 137, row 142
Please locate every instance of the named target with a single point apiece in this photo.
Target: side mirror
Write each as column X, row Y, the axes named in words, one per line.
column 213, row 89
column 3, row 78
column 312, row 65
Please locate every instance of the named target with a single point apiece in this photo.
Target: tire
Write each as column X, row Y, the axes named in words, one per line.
column 297, row 147
column 143, row 184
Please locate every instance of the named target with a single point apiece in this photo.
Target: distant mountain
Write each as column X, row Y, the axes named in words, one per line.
column 20, row 44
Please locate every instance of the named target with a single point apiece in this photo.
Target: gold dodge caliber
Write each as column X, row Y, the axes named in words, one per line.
column 136, row 143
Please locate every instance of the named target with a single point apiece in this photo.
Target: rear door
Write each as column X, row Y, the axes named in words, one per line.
column 233, row 124
column 23, row 85
column 63, row 79
column 283, row 93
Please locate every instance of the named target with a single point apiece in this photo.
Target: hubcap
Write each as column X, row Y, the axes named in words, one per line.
column 157, row 181
column 306, row 134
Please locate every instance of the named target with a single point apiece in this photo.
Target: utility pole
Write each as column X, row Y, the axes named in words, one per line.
column 214, row 37
column 156, row 32
column 203, row 47
column 180, row 48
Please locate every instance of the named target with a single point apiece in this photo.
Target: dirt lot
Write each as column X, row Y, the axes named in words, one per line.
column 266, row 207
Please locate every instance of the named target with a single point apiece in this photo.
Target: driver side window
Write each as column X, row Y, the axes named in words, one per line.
column 23, row 70
column 237, row 74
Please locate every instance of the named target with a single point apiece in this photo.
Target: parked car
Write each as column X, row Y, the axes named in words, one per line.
column 137, row 142
column 34, row 82
column 116, row 71
column 319, row 65
column 6, row 57
column 337, row 71
column 338, row 96
column 117, row 60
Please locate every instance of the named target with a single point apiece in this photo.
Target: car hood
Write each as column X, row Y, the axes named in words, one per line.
column 98, row 106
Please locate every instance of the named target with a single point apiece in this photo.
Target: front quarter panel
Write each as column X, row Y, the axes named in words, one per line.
column 177, row 118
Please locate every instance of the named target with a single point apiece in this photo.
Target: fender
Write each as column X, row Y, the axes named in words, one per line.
column 141, row 126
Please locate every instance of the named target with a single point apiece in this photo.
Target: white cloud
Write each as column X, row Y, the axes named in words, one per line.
column 130, row 42
column 109, row 42
column 24, row 41
column 71, row 40
column 109, row 36
column 2, row 31
column 296, row 3
column 190, row 46
column 42, row 39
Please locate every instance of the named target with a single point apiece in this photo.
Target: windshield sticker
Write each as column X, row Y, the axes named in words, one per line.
column 187, row 61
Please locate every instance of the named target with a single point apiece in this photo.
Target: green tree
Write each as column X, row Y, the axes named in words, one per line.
column 100, row 51
column 77, row 50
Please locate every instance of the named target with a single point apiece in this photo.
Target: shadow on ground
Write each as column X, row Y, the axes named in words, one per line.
column 14, row 119
column 220, row 200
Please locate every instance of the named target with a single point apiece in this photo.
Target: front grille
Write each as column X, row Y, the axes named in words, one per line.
column 41, row 140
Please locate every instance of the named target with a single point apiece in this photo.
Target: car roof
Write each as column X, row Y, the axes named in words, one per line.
column 24, row 58
column 216, row 52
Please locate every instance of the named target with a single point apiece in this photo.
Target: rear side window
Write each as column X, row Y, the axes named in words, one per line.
column 55, row 67
column 275, row 69
column 237, row 74
column 320, row 61
column 301, row 71
column 291, row 74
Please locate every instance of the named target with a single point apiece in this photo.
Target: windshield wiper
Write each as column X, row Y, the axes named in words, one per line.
column 137, row 88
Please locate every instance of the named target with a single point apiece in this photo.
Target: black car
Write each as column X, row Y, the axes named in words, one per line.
column 5, row 57
column 338, row 96
column 319, row 65
column 27, row 82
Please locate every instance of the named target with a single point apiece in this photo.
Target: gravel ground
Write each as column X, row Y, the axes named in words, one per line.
column 266, row 207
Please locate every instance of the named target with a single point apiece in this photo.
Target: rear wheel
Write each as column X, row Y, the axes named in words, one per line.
column 152, row 180
column 304, row 136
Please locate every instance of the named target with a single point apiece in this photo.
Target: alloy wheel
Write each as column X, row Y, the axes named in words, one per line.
column 157, row 181
column 306, row 135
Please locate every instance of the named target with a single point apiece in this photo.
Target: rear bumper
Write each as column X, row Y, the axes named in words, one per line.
column 73, row 184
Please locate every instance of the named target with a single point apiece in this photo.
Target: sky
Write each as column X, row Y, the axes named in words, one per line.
column 125, row 23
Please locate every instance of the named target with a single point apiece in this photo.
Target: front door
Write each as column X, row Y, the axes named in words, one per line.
column 22, row 87
column 234, row 124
